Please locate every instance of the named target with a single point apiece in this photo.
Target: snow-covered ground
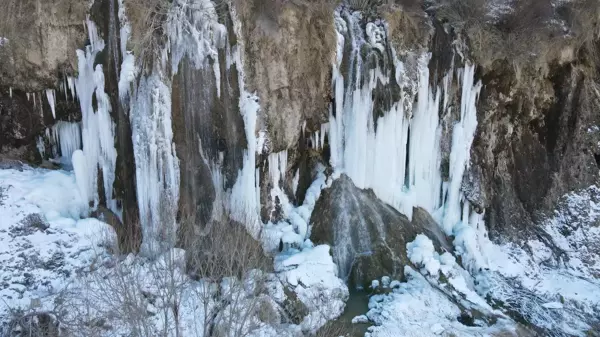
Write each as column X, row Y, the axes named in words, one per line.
column 551, row 281
column 44, row 242
column 54, row 259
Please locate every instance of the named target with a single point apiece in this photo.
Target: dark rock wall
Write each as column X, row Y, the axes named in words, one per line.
column 533, row 147
column 208, row 131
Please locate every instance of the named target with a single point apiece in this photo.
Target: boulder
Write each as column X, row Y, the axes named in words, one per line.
column 368, row 237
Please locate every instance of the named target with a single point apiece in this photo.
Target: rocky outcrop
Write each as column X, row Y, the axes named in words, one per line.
column 368, row 237
column 39, row 42
column 291, row 45
column 531, row 148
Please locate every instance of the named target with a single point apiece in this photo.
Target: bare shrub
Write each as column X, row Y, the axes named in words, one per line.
column 584, row 20
column 364, row 5
column 32, row 323
column 147, row 19
column 232, row 271
column 338, row 328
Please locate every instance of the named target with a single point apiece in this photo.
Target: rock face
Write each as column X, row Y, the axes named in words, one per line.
column 41, row 40
column 533, row 142
column 208, row 132
column 531, row 148
column 291, row 45
column 368, row 237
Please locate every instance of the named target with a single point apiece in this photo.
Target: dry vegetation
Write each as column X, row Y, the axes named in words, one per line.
column 147, row 19
column 530, row 36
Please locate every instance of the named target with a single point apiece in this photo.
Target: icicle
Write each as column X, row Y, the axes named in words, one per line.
column 97, row 129
column 11, row 95
column 462, row 138
column 324, row 130
column 67, row 137
column 71, row 84
column 41, row 147
column 51, row 95
column 35, row 102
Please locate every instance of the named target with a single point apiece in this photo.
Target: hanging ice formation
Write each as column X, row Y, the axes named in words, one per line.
column 51, row 95
column 157, row 166
column 398, row 154
column 67, row 139
column 97, row 128
column 245, row 194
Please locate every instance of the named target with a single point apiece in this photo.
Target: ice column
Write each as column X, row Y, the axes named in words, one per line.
column 97, row 129
column 462, row 138
column 157, row 165
column 424, row 153
column 245, row 194
column 67, row 137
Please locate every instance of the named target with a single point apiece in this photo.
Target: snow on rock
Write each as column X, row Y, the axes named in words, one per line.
column 415, row 309
column 43, row 241
column 421, row 252
column 312, row 274
column 561, row 269
column 55, row 260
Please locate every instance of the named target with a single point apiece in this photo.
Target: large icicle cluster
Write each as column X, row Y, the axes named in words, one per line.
column 398, row 154
column 245, row 194
column 157, row 165
column 67, row 139
column 97, row 129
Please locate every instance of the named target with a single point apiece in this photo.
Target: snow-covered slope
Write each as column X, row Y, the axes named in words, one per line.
column 44, row 240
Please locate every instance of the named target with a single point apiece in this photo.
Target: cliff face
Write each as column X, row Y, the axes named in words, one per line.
column 532, row 147
column 192, row 112
column 40, row 40
column 536, row 137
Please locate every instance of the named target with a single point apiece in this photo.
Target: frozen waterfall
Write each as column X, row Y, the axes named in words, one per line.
column 398, row 154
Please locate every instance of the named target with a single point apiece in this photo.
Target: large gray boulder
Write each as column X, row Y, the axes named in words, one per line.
column 368, row 237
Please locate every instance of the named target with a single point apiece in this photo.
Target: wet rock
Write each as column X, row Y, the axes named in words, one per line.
column 368, row 237
column 129, row 238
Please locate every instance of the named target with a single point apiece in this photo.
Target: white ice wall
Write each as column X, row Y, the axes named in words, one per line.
column 156, row 162
column 97, row 128
column 399, row 157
